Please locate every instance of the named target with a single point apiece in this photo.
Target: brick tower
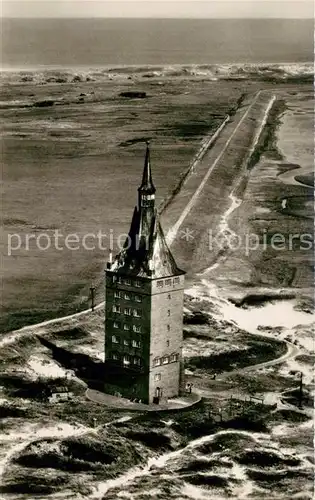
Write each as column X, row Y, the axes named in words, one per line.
column 144, row 308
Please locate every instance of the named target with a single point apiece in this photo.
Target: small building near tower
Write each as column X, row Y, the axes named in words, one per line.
column 144, row 308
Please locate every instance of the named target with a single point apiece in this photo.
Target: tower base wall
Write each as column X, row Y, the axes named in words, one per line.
column 127, row 384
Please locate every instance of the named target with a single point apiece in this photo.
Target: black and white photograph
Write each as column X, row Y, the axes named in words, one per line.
column 157, row 250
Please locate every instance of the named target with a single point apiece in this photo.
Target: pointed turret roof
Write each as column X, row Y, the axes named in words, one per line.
column 146, row 255
column 154, row 260
column 147, row 185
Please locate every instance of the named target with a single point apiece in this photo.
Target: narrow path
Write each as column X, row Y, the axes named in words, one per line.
column 292, row 352
column 26, row 330
column 126, row 405
column 171, row 235
column 235, row 201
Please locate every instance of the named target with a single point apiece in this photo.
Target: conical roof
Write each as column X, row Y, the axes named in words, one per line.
column 152, row 260
column 147, row 185
column 145, row 252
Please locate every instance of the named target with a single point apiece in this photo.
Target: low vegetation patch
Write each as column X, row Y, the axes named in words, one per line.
column 41, row 482
column 19, row 385
column 84, row 412
column 286, row 415
column 152, row 439
column 196, row 318
column 202, row 465
column 107, row 454
column 18, row 353
column 258, row 351
column 282, row 479
column 12, row 411
column 293, row 397
column 307, row 179
column 257, row 383
column 268, row 458
column 209, row 480
column 249, row 422
column 308, row 359
column 267, row 140
column 76, row 333
column 133, row 94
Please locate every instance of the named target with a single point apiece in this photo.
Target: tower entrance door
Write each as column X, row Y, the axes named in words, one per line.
column 157, row 396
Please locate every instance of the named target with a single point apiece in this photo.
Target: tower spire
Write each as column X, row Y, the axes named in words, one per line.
column 147, row 186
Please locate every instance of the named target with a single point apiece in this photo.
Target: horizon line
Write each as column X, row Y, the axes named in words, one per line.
column 159, row 18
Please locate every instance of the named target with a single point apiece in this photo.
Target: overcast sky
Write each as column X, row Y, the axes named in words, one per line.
column 158, row 8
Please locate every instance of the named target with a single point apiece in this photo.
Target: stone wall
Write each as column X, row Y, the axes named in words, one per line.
column 161, row 336
column 166, row 339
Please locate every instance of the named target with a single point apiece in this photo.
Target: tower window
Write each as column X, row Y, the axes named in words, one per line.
column 169, row 296
column 116, row 279
column 137, row 361
column 159, row 284
column 157, row 377
column 115, row 356
column 128, row 311
column 157, row 362
column 137, row 313
column 136, row 343
column 116, row 324
column 137, row 284
column 115, row 339
column 176, row 281
column 127, row 296
column 127, row 281
column 116, row 308
column 168, row 343
column 126, row 360
column 126, row 327
column 138, row 298
column 168, row 312
column 168, row 328
column 165, row 360
column 168, row 282
column 174, row 358
column 117, row 294
column 136, row 328
column 126, row 342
